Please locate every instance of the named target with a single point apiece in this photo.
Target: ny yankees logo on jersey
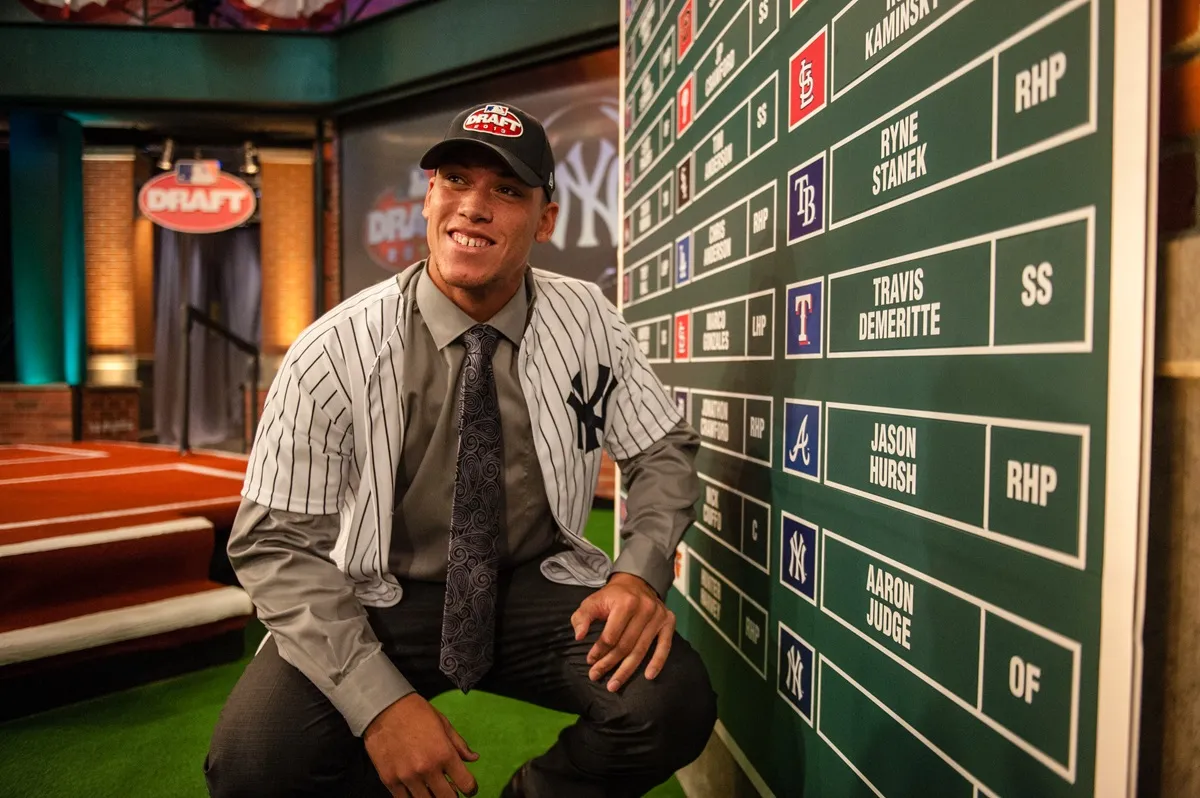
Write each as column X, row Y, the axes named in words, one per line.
column 589, row 421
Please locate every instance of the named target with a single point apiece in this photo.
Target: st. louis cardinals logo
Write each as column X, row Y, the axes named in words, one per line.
column 590, row 422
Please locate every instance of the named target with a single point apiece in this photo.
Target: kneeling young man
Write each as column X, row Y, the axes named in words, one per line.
column 413, row 514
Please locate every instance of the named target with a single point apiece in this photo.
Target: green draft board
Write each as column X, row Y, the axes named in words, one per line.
column 889, row 259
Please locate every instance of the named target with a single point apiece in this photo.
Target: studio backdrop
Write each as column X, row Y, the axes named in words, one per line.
column 384, row 186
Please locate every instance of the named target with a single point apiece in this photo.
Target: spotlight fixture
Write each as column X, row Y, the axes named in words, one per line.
column 168, row 154
column 249, row 154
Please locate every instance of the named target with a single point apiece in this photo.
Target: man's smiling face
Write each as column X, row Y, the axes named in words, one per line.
column 482, row 222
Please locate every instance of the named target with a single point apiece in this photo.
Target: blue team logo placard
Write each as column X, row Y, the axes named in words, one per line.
column 798, row 557
column 683, row 260
column 806, row 200
column 802, row 438
column 805, row 304
column 796, row 664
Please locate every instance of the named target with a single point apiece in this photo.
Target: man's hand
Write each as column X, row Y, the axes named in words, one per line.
column 415, row 749
column 634, row 618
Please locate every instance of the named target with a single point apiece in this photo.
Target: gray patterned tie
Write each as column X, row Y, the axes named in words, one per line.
column 468, row 621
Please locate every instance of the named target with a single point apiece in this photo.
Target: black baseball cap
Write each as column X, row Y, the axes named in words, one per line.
column 509, row 132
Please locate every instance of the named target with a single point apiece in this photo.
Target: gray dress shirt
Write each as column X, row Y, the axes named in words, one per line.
column 283, row 559
column 432, row 363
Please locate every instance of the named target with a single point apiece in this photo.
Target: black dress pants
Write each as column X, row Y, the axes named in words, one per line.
column 279, row 736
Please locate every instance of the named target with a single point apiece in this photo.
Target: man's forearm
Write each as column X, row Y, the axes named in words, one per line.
column 662, row 491
column 283, row 561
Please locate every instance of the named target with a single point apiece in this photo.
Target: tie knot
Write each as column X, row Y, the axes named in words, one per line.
column 481, row 339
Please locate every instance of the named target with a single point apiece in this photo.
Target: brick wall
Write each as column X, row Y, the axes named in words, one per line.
column 108, row 209
column 110, row 413
column 35, row 414
column 287, row 249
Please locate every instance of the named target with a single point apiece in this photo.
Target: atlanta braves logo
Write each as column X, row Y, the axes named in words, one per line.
column 591, row 423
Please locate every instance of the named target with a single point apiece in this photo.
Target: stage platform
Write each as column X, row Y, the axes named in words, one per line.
column 112, row 548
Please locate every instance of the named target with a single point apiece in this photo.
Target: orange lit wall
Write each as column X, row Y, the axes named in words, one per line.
column 143, row 286
column 287, row 247
column 108, row 206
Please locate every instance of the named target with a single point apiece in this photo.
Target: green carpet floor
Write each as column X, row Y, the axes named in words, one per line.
column 149, row 742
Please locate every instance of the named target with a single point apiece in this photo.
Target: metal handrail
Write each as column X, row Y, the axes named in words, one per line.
column 192, row 316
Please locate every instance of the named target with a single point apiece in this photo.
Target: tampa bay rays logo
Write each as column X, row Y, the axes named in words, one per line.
column 590, row 422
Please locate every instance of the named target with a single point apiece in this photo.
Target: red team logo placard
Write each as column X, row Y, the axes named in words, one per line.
column 796, row 5
column 806, row 80
column 683, row 330
column 686, row 28
column 685, row 104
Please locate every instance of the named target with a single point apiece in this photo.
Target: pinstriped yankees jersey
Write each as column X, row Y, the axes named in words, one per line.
column 332, row 431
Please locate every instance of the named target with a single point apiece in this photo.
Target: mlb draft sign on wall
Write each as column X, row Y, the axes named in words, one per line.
column 890, row 257
column 197, row 197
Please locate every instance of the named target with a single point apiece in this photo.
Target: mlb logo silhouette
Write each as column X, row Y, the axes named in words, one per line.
column 197, row 173
column 796, row 662
column 802, row 438
column 806, row 200
column 806, row 81
column 798, row 557
column 804, row 306
column 683, row 260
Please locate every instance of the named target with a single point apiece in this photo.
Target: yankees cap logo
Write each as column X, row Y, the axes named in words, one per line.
column 496, row 120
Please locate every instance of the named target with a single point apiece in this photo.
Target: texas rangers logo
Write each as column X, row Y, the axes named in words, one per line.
column 804, row 307
column 496, row 120
column 589, row 422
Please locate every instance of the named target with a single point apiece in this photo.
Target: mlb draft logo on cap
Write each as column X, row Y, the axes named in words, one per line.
column 496, row 120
